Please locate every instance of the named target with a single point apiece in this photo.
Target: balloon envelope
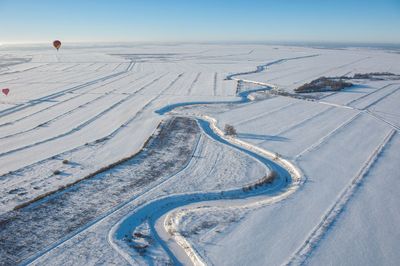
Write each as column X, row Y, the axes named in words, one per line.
column 6, row 91
column 57, row 44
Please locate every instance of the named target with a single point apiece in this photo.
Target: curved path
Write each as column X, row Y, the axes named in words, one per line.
column 286, row 182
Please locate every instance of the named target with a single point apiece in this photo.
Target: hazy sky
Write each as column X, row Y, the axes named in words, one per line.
column 200, row 20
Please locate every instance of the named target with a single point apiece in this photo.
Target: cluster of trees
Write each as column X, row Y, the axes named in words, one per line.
column 338, row 83
column 372, row 75
column 324, row 84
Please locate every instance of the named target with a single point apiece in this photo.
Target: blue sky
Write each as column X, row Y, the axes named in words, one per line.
column 200, row 20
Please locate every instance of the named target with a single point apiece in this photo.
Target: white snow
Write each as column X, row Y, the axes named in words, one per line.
column 97, row 105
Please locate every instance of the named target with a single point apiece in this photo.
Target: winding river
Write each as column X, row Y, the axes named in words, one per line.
column 287, row 180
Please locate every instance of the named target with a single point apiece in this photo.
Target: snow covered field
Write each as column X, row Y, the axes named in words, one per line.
column 71, row 115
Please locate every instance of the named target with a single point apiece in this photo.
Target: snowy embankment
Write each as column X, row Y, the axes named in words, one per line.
column 170, row 221
column 288, row 179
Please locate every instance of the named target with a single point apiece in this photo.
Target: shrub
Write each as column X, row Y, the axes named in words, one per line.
column 65, row 161
column 56, row 172
column 371, row 75
column 229, row 130
column 139, row 235
column 268, row 179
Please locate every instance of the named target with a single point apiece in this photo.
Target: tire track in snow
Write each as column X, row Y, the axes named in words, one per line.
column 100, row 67
column 130, row 66
column 101, row 141
column 215, row 84
column 327, row 136
column 193, row 84
column 146, row 106
column 55, row 95
column 368, row 94
column 57, row 77
column 365, row 111
column 381, row 98
column 8, row 80
column 24, row 70
column 58, row 94
column 47, row 122
column 64, row 101
column 68, row 68
column 382, row 119
column 306, row 120
column 84, row 124
column 269, row 112
column 97, row 143
column 300, row 123
column 309, row 245
column 115, row 68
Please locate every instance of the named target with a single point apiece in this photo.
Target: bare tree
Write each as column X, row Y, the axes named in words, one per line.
column 230, row 130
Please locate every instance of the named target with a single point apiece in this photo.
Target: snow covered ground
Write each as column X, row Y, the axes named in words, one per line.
column 73, row 112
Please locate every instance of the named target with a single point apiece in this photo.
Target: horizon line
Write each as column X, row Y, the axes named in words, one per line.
column 273, row 42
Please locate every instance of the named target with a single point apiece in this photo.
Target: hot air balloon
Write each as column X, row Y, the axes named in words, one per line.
column 57, row 44
column 5, row 91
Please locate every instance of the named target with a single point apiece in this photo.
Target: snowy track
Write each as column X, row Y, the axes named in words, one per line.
column 58, row 94
column 120, row 81
column 93, row 99
column 111, row 106
column 90, row 121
